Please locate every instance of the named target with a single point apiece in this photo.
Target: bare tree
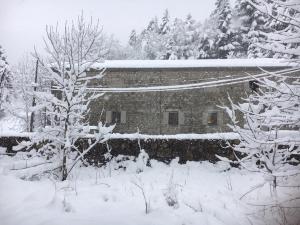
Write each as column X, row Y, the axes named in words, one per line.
column 269, row 141
column 70, row 54
column 23, row 85
column 141, row 186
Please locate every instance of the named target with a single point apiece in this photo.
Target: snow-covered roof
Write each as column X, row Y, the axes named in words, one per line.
column 204, row 63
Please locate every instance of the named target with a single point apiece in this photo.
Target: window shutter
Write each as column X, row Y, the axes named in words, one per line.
column 204, row 118
column 123, row 116
column 165, row 118
column 108, row 117
column 181, row 118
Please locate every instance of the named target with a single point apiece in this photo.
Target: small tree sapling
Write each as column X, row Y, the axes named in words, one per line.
column 70, row 55
column 269, row 139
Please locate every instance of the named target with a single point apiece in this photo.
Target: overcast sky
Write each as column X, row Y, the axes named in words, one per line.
column 22, row 22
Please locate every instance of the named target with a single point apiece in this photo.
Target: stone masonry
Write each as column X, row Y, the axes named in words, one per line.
column 170, row 112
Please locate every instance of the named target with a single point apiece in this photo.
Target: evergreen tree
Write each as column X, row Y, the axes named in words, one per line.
column 165, row 37
column 242, row 20
column 206, row 41
column 116, row 51
column 5, row 77
column 222, row 15
column 183, row 39
column 191, row 30
column 132, row 38
column 134, row 49
column 151, row 40
column 284, row 20
column 248, row 26
column 176, row 39
column 165, row 27
column 153, row 26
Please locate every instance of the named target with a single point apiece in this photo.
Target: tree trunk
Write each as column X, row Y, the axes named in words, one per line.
column 64, row 167
column 2, row 87
column 33, row 100
column 274, row 184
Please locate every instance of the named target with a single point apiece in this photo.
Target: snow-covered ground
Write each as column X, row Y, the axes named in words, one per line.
column 192, row 194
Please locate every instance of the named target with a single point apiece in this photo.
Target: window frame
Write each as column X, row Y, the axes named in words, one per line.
column 175, row 119
column 212, row 118
column 115, row 115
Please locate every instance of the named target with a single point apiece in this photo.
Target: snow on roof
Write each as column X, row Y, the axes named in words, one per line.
column 203, row 63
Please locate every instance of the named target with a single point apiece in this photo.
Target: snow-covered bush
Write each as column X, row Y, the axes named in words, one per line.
column 142, row 161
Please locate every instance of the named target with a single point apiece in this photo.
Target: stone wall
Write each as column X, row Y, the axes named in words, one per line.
column 159, row 149
column 148, row 111
column 165, row 150
column 10, row 142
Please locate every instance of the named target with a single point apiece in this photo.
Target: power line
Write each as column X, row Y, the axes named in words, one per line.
column 217, row 83
column 178, row 87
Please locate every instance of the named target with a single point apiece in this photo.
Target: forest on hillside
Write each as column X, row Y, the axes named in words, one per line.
column 241, row 31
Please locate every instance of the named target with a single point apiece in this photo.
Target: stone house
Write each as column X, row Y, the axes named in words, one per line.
column 169, row 97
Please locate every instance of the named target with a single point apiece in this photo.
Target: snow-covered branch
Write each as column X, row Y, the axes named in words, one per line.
column 71, row 54
column 270, row 111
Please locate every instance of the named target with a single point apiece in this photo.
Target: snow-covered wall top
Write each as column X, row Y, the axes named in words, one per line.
column 287, row 135
column 204, row 63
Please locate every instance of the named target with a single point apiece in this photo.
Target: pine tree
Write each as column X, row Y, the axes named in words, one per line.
column 176, row 39
column 153, row 26
column 5, row 77
column 191, row 30
column 165, row 27
column 284, row 16
column 206, row 40
column 134, row 49
column 132, row 38
column 222, row 15
column 183, row 39
column 151, row 40
column 249, row 25
column 242, row 16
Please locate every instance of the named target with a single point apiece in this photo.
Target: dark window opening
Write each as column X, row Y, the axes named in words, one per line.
column 253, row 84
column 173, row 118
column 115, row 117
column 212, row 118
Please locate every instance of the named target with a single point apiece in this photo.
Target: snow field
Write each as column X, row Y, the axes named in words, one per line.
column 194, row 193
